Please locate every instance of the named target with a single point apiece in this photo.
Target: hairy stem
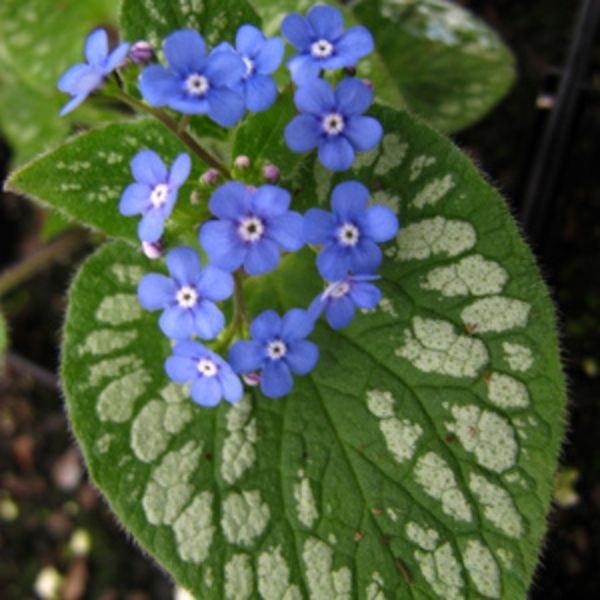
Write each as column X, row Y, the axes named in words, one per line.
column 179, row 129
column 240, row 315
column 39, row 260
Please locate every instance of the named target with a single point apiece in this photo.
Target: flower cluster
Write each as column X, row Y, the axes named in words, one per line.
column 247, row 228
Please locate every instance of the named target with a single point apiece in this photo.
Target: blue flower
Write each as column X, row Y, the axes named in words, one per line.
column 278, row 348
column 341, row 297
column 351, row 233
column 212, row 378
column 334, row 122
column 261, row 58
column 322, row 42
column 82, row 79
column 155, row 192
column 252, row 226
column 188, row 296
column 195, row 83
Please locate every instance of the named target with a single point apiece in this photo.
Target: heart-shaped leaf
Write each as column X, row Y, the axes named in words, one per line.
column 416, row 461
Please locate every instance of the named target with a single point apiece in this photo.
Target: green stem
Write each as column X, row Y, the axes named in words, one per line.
column 27, row 268
column 178, row 130
column 240, row 315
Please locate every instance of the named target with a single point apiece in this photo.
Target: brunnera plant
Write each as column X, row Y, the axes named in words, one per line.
column 316, row 359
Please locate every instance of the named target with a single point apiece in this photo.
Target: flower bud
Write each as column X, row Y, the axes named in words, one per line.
column 141, row 52
column 271, row 173
column 251, row 379
column 369, row 84
column 152, row 250
column 242, row 162
column 209, row 177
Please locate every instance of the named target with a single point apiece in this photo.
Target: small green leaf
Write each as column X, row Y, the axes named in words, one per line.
column 39, row 40
column 415, row 462
column 85, row 177
column 153, row 20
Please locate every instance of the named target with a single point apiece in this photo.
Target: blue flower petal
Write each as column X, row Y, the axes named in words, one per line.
column 365, row 295
column 245, row 356
column 340, row 312
column 180, row 170
column 302, row 356
column 249, row 40
column 288, row 231
column 317, row 306
column 353, row 97
column 276, row 380
column 72, row 104
column 191, row 349
column 261, row 92
column 296, row 324
column 297, row 30
column 79, row 79
column 156, row 291
column 349, row 199
column 206, row 391
column 381, row 223
column 208, row 320
column 189, row 105
column 266, row 326
column 304, row 69
column 224, row 68
column 181, row 369
column 269, row 56
column 151, row 226
column 364, row 133
column 231, row 385
column 230, row 200
column 135, row 199
column 148, row 168
column 319, row 226
column 262, row 257
column 226, row 107
column 316, row 98
column 96, row 47
column 336, row 153
column 214, row 284
column 222, row 244
column 327, row 22
column 177, row 323
column 270, row 201
column 184, row 265
column 366, row 257
column 333, row 263
column 302, row 133
column 355, row 43
column 159, row 85
column 185, row 51
column 116, row 57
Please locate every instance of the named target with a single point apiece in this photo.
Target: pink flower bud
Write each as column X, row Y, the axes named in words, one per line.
column 369, row 84
column 251, row 379
column 242, row 162
column 141, row 52
column 209, row 177
column 271, row 173
column 152, row 250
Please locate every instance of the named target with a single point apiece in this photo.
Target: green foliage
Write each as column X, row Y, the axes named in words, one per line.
column 3, row 335
column 416, row 461
column 33, row 55
column 85, row 177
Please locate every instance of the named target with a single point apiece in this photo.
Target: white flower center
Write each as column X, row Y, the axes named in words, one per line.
column 348, row 234
column 197, row 85
column 333, row 124
column 337, row 290
column 187, row 297
column 249, row 66
column 321, row 49
column 251, row 229
column 276, row 349
column 159, row 195
column 207, row 367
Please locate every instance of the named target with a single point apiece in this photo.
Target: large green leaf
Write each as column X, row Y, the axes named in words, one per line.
column 85, row 177
column 431, row 55
column 34, row 52
column 415, row 462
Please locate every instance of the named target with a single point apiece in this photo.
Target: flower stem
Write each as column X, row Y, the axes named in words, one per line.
column 178, row 129
column 240, row 315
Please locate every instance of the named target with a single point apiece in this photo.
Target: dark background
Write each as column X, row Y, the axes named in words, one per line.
column 40, row 473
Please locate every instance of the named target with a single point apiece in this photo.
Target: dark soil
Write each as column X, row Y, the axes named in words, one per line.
column 40, row 471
